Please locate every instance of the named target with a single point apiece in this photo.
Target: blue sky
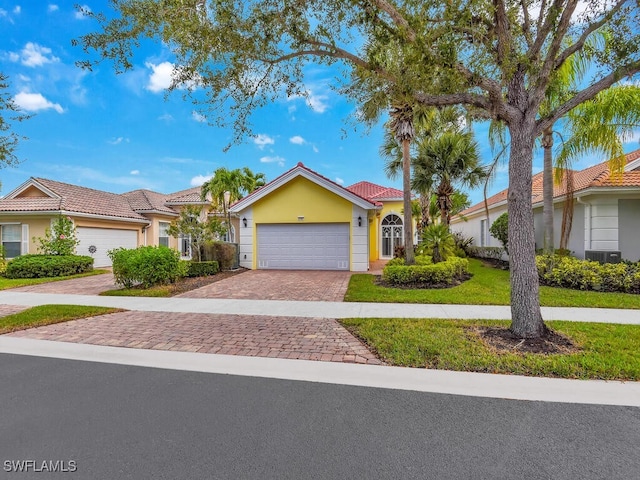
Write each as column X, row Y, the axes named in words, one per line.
column 119, row 132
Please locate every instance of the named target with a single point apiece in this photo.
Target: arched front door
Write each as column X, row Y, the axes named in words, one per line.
column 392, row 234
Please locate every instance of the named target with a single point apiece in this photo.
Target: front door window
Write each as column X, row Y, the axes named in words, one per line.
column 392, row 234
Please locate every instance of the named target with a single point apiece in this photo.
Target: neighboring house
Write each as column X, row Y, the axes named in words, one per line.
column 606, row 214
column 300, row 220
column 103, row 220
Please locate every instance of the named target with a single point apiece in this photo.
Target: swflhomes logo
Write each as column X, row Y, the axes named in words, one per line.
column 40, row 466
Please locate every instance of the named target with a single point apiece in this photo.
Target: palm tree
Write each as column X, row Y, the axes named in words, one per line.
column 402, row 128
column 449, row 160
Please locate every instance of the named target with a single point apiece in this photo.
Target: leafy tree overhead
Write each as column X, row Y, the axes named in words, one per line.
column 496, row 57
column 9, row 112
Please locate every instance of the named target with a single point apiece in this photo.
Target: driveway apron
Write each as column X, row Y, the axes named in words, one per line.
column 92, row 285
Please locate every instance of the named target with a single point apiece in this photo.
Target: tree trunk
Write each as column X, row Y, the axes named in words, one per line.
column 409, row 256
column 526, row 318
column 547, row 190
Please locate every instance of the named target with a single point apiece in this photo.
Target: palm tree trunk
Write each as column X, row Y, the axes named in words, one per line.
column 547, row 190
column 409, row 257
column 526, row 317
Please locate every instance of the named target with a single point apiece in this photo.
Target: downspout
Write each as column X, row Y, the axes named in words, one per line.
column 587, row 223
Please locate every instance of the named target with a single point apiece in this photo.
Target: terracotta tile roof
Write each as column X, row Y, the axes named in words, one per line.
column 373, row 192
column 596, row 176
column 73, row 198
column 148, row 201
column 190, row 195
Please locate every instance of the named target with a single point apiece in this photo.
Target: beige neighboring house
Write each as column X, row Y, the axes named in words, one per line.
column 103, row 220
column 606, row 213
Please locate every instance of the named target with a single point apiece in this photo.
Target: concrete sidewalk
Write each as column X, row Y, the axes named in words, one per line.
column 337, row 310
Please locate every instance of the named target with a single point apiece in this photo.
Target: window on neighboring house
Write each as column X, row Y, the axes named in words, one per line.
column 163, row 234
column 11, row 240
column 483, row 233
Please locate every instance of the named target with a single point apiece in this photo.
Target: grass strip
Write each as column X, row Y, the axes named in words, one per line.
column 606, row 351
column 488, row 286
column 49, row 314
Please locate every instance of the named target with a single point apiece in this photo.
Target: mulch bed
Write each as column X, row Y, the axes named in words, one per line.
column 503, row 341
column 187, row 284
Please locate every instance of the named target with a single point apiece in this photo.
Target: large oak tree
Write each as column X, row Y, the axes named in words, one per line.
column 494, row 56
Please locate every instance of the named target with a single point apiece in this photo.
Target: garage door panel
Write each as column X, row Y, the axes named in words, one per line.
column 303, row 247
column 104, row 239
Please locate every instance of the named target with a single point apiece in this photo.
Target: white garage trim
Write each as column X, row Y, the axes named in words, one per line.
column 309, row 246
column 104, row 239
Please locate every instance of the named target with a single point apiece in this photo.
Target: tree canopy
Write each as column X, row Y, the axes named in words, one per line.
column 9, row 113
column 496, row 57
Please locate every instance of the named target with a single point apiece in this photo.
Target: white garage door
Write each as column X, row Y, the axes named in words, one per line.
column 103, row 240
column 314, row 246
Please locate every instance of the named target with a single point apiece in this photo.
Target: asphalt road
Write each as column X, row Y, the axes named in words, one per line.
column 115, row 421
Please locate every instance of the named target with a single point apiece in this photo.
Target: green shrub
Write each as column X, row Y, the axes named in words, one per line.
column 147, row 266
column 202, row 269
column 500, row 230
column 437, row 242
column 3, row 260
column 395, row 261
column 447, row 273
column 491, row 253
column 43, row 266
column 222, row 252
column 570, row 272
column 60, row 239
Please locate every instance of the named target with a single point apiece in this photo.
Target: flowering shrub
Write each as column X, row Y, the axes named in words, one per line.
column 60, row 239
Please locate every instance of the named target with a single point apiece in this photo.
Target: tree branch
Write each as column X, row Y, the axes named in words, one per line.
column 544, row 27
column 397, row 18
column 526, row 27
column 586, row 95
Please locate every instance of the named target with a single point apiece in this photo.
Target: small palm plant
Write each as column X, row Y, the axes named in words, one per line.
column 438, row 242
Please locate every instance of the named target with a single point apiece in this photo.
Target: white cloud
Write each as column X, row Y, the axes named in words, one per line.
column 17, row 9
column 167, row 117
column 118, row 141
column 79, row 15
column 160, row 78
column 33, row 102
column 3, row 12
column 198, row 117
column 52, row 8
column 297, row 140
column 339, row 181
column 276, row 159
column 262, row 140
column 315, row 149
column 34, row 55
column 14, row 57
column 198, row 180
column 318, row 102
column 135, row 172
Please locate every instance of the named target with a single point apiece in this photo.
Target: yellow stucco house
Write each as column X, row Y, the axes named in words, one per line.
column 300, row 220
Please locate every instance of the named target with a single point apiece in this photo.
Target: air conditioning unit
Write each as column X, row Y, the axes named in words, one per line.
column 602, row 256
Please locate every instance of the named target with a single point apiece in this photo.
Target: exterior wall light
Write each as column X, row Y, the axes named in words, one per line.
column 359, row 221
column 244, row 222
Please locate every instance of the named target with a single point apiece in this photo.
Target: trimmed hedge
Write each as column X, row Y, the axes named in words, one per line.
column 442, row 273
column 570, row 272
column 147, row 266
column 222, row 252
column 491, row 253
column 43, row 266
column 202, row 269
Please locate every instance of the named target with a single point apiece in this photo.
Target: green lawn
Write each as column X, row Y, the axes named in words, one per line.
column 156, row 291
column 48, row 314
column 6, row 283
column 488, row 286
column 606, row 351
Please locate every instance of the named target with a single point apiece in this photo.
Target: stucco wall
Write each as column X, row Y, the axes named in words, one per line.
column 37, row 227
column 472, row 226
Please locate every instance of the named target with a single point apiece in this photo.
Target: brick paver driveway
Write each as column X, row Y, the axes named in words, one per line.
column 304, row 285
column 262, row 336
